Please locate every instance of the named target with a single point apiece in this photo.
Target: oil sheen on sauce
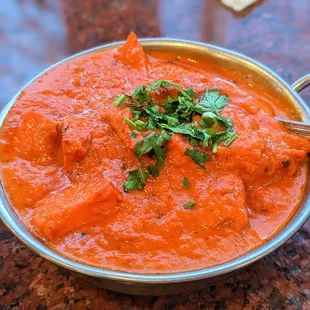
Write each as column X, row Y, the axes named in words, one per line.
column 66, row 152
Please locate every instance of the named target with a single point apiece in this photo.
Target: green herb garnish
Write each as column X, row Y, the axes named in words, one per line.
column 185, row 183
column 133, row 133
column 198, row 157
column 213, row 100
column 175, row 116
column 130, row 123
column 119, row 100
column 189, row 204
column 153, row 144
column 136, row 180
column 141, row 95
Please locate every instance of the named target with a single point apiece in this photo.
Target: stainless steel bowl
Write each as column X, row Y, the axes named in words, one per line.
column 161, row 284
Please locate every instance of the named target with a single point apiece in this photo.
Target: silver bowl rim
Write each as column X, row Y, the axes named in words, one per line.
column 11, row 220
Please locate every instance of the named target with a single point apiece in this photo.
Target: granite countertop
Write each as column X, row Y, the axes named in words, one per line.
column 36, row 33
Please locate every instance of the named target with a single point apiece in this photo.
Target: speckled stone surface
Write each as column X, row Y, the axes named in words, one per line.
column 35, row 34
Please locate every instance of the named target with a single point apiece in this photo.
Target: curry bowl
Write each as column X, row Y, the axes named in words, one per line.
column 173, row 283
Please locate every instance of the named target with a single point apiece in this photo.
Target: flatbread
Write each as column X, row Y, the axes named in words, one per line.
column 238, row 5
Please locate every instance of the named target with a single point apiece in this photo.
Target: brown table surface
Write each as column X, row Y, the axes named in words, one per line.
column 36, row 33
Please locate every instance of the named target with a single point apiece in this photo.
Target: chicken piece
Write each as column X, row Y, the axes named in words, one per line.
column 64, row 211
column 38, row 138
column 121, row 136
column 76, row 139
column 263, row 153
column 221, row 200
column 131, row 53
column 26, row 183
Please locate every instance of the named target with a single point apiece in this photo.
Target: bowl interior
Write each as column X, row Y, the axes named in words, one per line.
column 241, row 67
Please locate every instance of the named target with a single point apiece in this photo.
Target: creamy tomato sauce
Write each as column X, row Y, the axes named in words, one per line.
column 66, row 152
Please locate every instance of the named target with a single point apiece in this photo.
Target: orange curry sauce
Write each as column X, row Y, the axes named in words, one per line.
column 66, row 153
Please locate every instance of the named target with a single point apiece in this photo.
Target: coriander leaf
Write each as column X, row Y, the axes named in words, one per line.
column 133, row 133
column 198, row 157
column 157, row 117
column 153, row 171
column 213, row 100
column 169, row 102
column 189, row 204
column 164, row 138
column 141, row 94
column 209, row 118
column 154, row 108
column 193, row 142
column 160, row 153
column 199, row 109
column 136, row 180
column 135, row 113
column 172, row 121
column 130, row 123
column 162, row 83
column 154, row 143
column 185, row 183
column 190, row 130
column 151, row 124
column 223, row 136
column 201, row 123
column 190, row 92
column 203, row 136
column 185, row 129
column 140, row 124
column 232, row 137
column 229, row 136
column 210, row 131
column 119, row 100
column 145, row 145
column 225, row 121
column 184, row 109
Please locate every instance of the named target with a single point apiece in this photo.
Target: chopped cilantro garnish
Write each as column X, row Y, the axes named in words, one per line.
column 164, row 138
column 119, row 100
column 130, row 123
column 133, row 133
column 230, row 140
column 176, row 115
column 141, row 95
column 144, row 146
column 213, row 100
column 229, row 136
column 153, row 143
column 136, row 180
column 185, row 183
column 198, row 157
column 189, row 204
